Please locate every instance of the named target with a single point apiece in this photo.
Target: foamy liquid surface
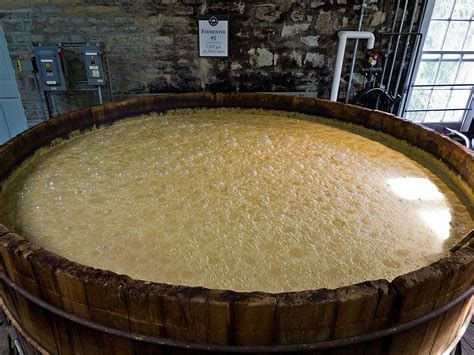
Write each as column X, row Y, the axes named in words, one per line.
column 236, row 200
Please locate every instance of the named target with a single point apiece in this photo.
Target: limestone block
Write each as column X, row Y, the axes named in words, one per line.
column 315, row 60
column 260, row 57
column 291, row 30
column 310, row 41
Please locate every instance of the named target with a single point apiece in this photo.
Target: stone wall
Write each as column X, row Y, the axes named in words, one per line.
column 284, row 45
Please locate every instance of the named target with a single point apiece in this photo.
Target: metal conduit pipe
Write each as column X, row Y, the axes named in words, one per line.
column 329, row 344
column 389, row 46
column 394, row 59
column 354, row 54
column 343, row 37
column 405, row 48
column 460, row 135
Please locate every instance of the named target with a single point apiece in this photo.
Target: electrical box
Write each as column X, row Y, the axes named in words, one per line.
column 50, row 67
column 93, row 61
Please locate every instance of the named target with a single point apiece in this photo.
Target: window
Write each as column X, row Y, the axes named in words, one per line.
column 442, row 91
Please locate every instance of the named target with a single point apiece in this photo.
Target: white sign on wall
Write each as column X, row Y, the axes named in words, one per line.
column 213, row 35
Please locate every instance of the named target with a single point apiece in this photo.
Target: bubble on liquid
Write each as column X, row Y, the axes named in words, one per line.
column 231, row 189
column 250, row 171
column 339, row 156
column 219, row 184
column 98, row 173
column 232, row 142
column 298, row 165
column 265, row 140
column 318, row 161
column 288, row 141
column 268, row 168
column 53, row 182
column 101, row 248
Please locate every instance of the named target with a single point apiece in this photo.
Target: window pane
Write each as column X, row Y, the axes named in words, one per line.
column 427, row 73
column 419, row 99
column 447, row 72
column 434, row 116
column 455, row 37
column 466, row 73
column 415, row 116
column 463, row 9
column 442, row 8
column 459, row 99
column 469, row 44
column 435, row 36
column 439, row 99
column 451, row 29
column 453, row 116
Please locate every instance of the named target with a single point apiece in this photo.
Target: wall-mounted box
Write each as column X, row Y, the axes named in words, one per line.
column 50, row 67
column 93, row 62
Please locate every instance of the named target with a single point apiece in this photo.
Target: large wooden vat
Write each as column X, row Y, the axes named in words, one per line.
column 183, row 316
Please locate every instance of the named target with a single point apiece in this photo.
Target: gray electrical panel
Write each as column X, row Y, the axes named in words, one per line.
column 93, row 54
column 50, row 68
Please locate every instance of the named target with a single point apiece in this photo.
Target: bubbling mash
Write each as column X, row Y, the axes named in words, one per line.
column 234, row 199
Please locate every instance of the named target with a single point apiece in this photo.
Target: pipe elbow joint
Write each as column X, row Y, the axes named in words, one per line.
column 369, row 36
column 342, row 34
column 371, row 41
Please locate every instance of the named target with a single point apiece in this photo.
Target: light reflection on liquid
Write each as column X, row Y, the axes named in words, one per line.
column 434, row 213
column 410, row 188
column 439, row 221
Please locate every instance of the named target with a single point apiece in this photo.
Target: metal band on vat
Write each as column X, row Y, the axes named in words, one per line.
column 329, row 344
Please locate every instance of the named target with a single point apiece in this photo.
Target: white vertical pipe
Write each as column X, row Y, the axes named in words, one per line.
column 343, row 37
column 100, row 94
